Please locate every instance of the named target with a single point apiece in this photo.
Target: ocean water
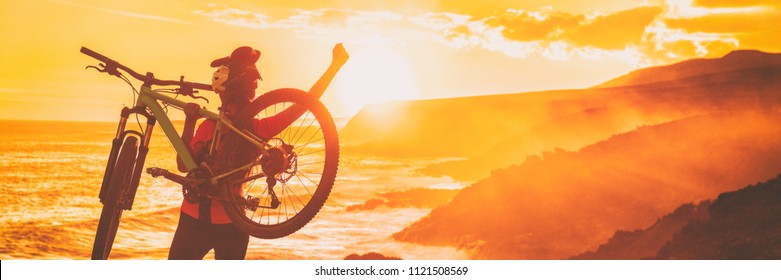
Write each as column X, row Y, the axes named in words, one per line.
column 50, row 176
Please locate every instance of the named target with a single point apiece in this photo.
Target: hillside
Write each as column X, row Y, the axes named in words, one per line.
column 570, row 132
column 645, row 244
column 735, row 60
column 498, row 130
column 609, row 111
column 565, row 203
column 560, row 172
column 445, row 127
column 744, row 224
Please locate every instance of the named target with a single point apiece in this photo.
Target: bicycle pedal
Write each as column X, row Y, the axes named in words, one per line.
column 274, row 204
column 156, row 171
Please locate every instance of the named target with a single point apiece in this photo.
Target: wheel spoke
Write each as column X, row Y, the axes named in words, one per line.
column 314, row 137
column 312, row 152
column 305, row 130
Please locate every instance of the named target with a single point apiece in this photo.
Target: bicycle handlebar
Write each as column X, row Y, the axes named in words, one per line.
column 111, row 67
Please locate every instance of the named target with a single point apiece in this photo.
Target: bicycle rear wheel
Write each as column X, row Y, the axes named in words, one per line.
column 305, row 154
column 112, row 207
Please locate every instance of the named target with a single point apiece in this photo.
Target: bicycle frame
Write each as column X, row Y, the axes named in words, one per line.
column 150, row 99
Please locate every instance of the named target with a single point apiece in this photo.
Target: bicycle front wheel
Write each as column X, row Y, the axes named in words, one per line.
column 112, row 208
column 302, row 160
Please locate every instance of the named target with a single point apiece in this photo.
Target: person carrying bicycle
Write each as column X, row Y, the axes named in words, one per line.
column 203, row 224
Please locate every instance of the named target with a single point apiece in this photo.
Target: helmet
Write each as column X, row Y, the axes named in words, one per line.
column 242, row 62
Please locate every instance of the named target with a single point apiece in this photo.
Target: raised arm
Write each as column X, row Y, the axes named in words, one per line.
column 339, row 58
column 277, row 123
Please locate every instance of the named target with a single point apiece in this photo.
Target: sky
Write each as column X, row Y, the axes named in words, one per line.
column 399, row 50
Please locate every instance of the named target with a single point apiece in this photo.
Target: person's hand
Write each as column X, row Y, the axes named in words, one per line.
column 191, row 111
column 340, row 55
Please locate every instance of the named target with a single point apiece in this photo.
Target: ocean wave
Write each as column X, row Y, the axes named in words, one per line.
column 50, row 176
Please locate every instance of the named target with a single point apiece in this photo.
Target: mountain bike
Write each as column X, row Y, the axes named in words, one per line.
column 298, row 164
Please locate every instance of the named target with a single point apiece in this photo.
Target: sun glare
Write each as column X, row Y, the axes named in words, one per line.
column 375, row 76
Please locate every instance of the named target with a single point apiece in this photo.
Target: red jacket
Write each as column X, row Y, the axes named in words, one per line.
column 264, row 128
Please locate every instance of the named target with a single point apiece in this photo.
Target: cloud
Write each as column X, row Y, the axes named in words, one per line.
column 675, row 30
column 732, row 23
column 614, row 31
column 483, row 9
column 735, row 4
column 237, row 17
column 530, row 26
column 555, row 35
column 460, row 31
column 642, row 36
column 127, row 13
column 689, row 9
column 515, row 33
column 663, row 43
column 748, row 24
column 353, row 26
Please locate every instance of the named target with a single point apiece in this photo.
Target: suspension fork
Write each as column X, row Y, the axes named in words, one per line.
column 143, row 149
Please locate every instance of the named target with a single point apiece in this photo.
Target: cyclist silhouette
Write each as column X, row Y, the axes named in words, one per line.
column 204, row 225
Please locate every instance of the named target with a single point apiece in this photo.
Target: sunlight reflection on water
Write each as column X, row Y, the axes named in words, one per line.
column 49, row 187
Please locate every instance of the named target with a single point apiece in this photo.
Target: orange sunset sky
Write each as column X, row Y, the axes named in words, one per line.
column 407, row 49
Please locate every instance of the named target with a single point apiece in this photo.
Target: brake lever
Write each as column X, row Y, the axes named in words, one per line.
column 200, row 97
column 189, row 91
column 110, row 70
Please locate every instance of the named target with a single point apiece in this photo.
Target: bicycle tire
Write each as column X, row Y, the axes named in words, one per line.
column 112, row 204
column 307, row 188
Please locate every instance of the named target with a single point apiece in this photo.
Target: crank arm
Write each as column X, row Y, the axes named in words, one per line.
column 157, row 172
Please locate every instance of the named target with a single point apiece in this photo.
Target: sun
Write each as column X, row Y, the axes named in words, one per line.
column 373, row 76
